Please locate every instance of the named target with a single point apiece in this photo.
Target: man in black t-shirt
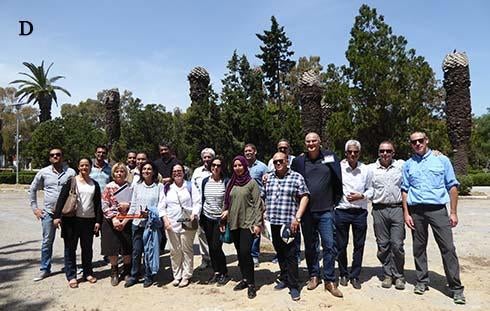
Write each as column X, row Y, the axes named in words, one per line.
column 321, row 171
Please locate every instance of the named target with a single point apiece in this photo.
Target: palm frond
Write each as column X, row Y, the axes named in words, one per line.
column 54, row 79
column 59, row 88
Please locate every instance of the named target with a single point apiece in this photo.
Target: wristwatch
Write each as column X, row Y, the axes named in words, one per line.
column 298, row 219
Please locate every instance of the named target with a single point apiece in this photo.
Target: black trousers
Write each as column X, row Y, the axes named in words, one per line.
column 75, row 229
column 344, row 219
column 286, row 256
column 218, row 258
column 243, row 238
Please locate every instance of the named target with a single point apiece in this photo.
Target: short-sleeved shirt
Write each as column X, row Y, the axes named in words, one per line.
column 386, row 182
column 257, row 170
column 282, row 196
column 427, row 179
column 164, row 167
column 318, row 177
column 102, row 175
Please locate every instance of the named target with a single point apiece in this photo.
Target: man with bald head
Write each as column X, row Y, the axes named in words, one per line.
column 321, row 171
column 286, row 197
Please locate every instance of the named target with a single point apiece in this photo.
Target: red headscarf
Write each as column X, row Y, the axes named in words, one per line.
column 241, row 180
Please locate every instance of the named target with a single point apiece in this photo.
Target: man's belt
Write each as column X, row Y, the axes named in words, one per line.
column 391, row 205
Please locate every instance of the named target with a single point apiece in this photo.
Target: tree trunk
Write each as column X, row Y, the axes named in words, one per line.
column 310, row 94
column 113, row 125
column 44, row 108
column 458, row 107
column 199, row 84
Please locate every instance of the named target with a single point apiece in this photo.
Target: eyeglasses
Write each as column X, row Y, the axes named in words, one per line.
column 415, row 141
column 385, row 151
column 352, row 151
column 57, row 154
column 280, row 161
column 215, row 165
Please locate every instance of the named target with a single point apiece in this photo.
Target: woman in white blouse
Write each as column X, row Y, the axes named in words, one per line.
column 83, row 225
column 180, row 195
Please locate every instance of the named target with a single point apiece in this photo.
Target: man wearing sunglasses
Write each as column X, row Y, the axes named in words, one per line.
column 389, row 227
column 50, row 179
column 352, row 212
column 286, row 198
column 429, row 183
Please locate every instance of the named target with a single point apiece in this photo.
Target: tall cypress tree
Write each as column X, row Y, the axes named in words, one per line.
column 276, row 57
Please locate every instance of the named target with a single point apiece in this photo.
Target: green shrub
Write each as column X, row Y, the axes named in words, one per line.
column 25, row 177
column 480, row 179
column 466, row 182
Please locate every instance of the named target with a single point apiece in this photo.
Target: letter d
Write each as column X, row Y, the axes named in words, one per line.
column 22, row 29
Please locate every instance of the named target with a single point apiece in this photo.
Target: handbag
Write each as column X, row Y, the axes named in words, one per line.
column 225, row 237
column 71, row 203
column 187, row 223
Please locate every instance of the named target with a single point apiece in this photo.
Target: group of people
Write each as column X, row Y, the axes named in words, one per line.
column 140, row 204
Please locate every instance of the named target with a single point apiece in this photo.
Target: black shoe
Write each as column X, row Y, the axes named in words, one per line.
column 343, row 281
column 251, row 292
column 130, row 282
column 214, row 278
column 223, row 279
column 114, row 275
column 241, row 285
column 148, row 281
column 355, row 283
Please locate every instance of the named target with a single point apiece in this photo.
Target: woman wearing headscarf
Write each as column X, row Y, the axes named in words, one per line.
column 116, row 233
column 178, row 198
column 83, row 225
column 243, row 212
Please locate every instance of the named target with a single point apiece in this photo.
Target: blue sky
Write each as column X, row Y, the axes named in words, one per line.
column 150, row 48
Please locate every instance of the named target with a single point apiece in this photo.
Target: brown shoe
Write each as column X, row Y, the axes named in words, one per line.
column 313, row 283
column 333, row 289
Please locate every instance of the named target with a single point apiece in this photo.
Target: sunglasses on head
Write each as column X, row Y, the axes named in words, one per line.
column 280, row 161
column 57, row 154
column 415, row 141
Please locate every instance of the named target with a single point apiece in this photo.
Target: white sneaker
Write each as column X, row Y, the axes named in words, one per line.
column 41, row 275
column 256, row 262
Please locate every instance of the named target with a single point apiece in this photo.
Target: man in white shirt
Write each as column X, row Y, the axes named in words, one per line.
column 207, row 156
column 389, row 227
column 352, row 212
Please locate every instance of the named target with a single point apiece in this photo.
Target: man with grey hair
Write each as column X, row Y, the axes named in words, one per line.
column 352, row 211
column 207, row 156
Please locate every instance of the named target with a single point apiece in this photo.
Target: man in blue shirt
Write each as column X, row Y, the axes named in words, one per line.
column 257, row 170
column 428, row 184
column 101, row 170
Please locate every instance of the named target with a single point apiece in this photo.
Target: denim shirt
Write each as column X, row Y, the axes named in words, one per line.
column 428, row 178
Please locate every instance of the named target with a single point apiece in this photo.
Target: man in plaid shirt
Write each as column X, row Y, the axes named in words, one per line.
column 286, row 198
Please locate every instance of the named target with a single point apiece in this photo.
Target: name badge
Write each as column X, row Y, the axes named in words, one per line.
column 328, row 159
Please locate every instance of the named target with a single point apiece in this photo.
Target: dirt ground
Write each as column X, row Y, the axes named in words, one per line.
column 20, row 241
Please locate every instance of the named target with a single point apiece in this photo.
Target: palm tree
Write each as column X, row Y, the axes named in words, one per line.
column 39, row 89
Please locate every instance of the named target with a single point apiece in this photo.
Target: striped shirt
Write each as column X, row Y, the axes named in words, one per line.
column 214, row 193
column 282, row 196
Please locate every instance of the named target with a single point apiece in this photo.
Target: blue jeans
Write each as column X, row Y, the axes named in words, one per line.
column 137, row 251
column 256, row 247
column 315, row 226
column 48, row 239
